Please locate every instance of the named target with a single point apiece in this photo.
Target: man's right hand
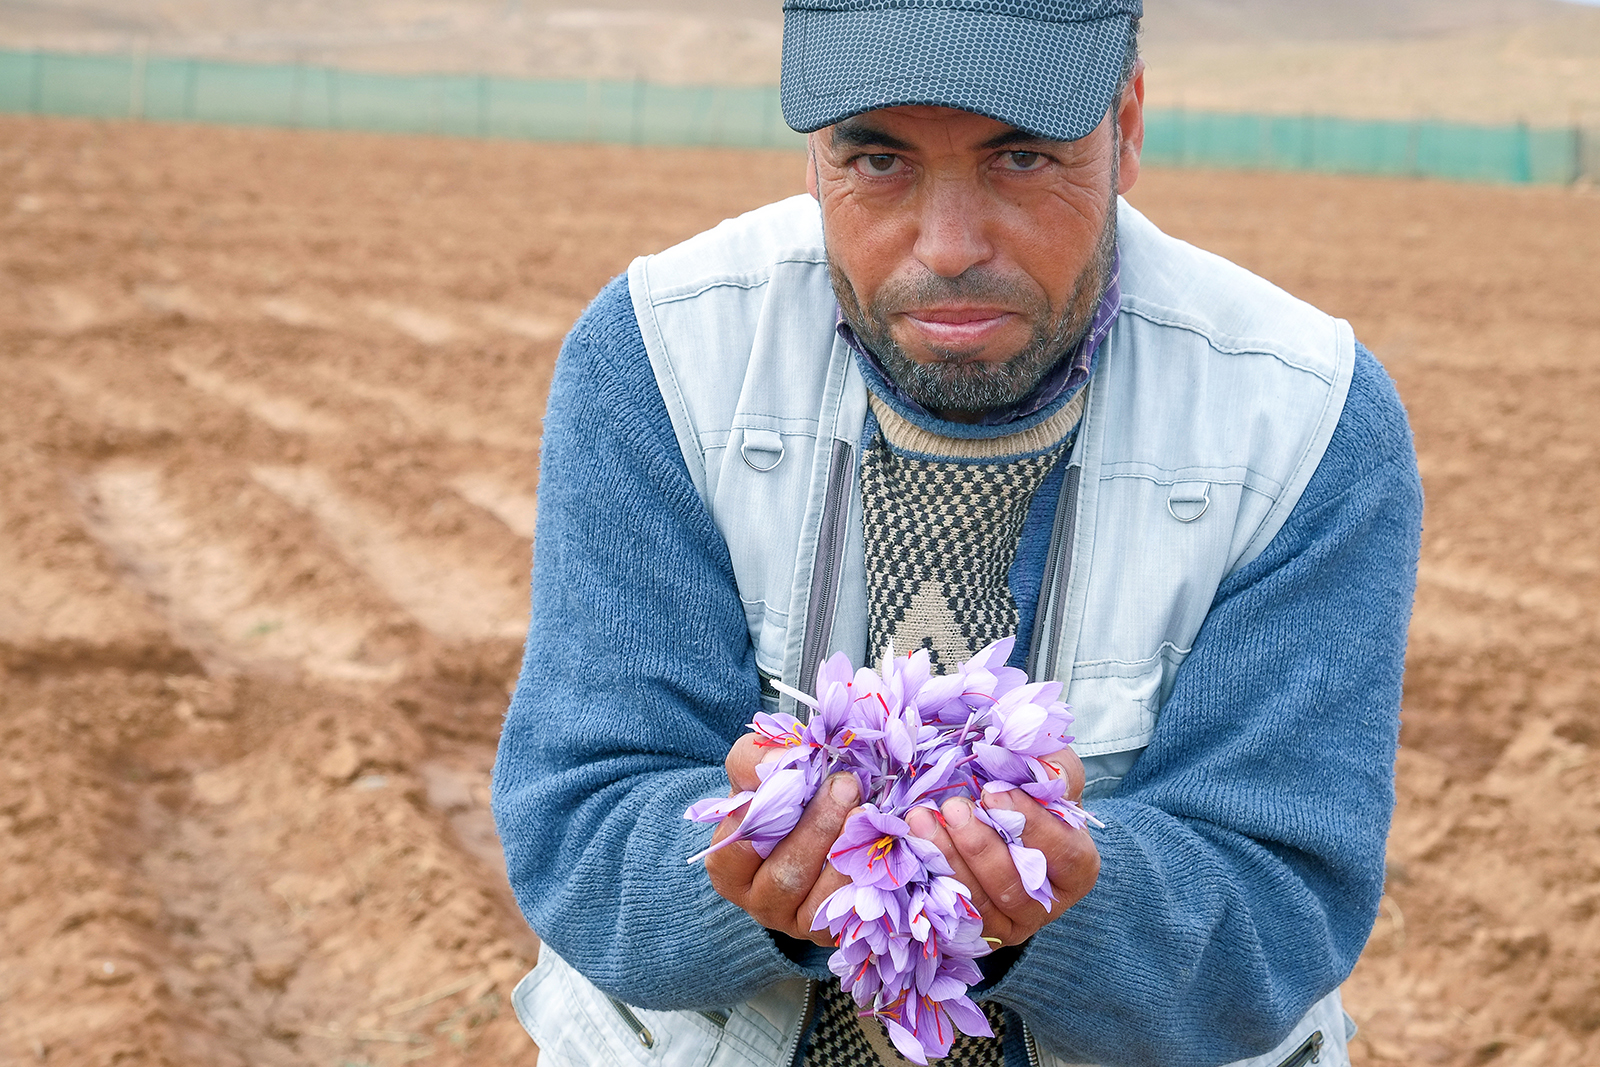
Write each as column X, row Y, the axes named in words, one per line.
column 783, row 891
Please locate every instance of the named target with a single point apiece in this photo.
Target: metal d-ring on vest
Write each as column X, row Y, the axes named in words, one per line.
column 762, row 443
column 1182, row 494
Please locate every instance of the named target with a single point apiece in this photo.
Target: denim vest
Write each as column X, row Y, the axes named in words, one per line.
column 1213, row 400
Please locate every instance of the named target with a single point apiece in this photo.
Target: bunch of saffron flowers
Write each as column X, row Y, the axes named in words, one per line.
column 906, row 930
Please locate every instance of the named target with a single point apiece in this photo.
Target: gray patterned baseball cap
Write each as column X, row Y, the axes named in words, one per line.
column 1046, row 66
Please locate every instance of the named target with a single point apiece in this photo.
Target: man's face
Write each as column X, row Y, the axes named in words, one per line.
column 970, row 256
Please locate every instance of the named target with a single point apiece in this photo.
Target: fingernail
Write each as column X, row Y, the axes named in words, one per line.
column 957, row 812
column 844, row 790
column 922, row 823
column 1001, row 800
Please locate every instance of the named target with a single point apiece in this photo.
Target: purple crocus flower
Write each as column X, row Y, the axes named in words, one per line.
column 878, row 849
column 906, row 931
column 773, row 811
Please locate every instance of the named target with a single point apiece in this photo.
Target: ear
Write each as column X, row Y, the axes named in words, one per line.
column 811, row 165
column 1130, row 124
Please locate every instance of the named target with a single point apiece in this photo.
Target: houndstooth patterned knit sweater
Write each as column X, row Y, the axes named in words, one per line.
column 943, row 518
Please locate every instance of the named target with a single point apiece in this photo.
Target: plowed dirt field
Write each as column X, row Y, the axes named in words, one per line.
column 269, row 420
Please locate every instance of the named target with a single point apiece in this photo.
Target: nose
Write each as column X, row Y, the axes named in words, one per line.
column 952, row 233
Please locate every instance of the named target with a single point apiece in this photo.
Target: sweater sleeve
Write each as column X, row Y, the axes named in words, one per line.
column 637, row 678
column 1242, row 857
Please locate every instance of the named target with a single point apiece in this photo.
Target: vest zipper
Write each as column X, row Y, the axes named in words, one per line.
column 1031, row 1045
column 1052, row 592
column 792, row 1058
column 639, row 1029
column 1310, row 1052
column 825, row 570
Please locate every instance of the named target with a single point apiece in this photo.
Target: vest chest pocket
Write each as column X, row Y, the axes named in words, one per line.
column 1115, row 703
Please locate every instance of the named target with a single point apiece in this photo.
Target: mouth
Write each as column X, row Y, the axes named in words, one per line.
column 958, row 327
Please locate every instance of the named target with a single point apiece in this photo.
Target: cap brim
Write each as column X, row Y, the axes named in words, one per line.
column 1054, row 79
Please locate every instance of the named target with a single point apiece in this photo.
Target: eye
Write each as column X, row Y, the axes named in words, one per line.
column 1024, row 161
column 879, row 166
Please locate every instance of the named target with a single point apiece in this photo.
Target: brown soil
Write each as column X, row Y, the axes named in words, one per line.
column 267, row 472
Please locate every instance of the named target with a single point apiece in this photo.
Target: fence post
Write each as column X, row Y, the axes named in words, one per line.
column 636, row 125
column 136, row 79
column 36, row 83
column 772, row 114
column 714, row 119
column 190, row 74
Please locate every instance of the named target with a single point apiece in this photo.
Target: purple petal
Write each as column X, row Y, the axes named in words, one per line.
column 774, row 811
column 917, row 670
column 835, row 670
column 935, row 777
column 898, row 739
column 1046, row 792
column 1034, row 873
column 869, row 902
column 999, row 764
column 782, row 728
column 1008, row 824
column 909, row 1044
column 717, row 808
column 994, row 655
column 967, row 1016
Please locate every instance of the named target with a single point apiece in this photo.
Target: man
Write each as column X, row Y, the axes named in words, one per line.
column 963, row 391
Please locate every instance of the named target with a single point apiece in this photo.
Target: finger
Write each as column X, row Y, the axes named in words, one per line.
column 993, row 872
column 1071, row 859
column 733, row 868
column 828, row 882
column 786, row 879
column 742, row 760
column 1072, row 863
column 930, row 827
column 1067, row 763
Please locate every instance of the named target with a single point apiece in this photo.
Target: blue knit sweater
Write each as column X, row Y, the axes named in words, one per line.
column 1241, row 859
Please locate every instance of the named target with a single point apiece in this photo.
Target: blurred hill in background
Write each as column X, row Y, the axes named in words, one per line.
column 1473, row 60
column 1470, row 60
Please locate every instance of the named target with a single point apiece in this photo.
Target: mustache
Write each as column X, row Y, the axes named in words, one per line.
column 976, row 285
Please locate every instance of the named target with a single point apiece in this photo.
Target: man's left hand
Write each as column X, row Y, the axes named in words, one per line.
column 983, row 862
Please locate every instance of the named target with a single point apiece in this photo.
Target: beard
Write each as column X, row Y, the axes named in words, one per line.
column 953, row 383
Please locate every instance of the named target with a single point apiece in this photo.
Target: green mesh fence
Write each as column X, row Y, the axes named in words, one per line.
column 193, row 90
column 1461, row 151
